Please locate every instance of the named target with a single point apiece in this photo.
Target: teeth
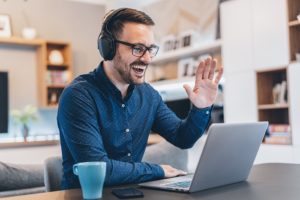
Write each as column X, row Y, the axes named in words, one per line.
column 139, row 67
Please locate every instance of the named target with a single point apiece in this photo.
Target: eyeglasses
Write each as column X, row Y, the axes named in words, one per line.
column 139, row 50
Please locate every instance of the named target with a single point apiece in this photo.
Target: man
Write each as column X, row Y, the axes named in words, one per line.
column 107, row 115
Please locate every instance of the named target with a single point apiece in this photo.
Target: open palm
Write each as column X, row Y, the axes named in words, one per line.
column 205, row 89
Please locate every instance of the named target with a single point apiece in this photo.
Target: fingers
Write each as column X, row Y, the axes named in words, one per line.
column 212, row 69
column 188, row 89
column 181, row 173
column 206, row 68
column 172, row 172
column 219, row 75
column 199, row 73
column 176, row 172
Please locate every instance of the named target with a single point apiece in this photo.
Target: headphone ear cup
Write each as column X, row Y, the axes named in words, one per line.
column 107, row 47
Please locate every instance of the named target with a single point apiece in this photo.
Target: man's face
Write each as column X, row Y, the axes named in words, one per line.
column 129, row 68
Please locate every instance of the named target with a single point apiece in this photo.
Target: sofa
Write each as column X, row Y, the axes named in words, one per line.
column 16, row 179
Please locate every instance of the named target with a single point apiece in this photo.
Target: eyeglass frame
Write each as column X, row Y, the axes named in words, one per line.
column 133, row 45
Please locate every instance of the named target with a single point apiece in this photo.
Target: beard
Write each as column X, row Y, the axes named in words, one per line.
column 133, row 73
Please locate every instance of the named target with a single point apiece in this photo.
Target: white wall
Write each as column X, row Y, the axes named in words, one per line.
column 74, row 22
column 254, row 36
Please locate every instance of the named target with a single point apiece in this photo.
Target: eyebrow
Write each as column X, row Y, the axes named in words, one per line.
column 152, row 45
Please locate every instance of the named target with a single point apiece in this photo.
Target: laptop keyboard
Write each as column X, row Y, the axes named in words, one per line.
column 182, row 184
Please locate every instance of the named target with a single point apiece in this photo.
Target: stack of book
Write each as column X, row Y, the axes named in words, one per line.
column 279, row 134
column 56, row 77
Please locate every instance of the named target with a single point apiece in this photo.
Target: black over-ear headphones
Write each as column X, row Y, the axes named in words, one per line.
column 106, row 40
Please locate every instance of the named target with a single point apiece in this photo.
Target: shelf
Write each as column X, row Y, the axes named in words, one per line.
column 64, row 65
column 56, row 86
column 273, row 106
column 294, row 62
column 49, row 107
column 171, row 90
column 294, row 23
column 187, row 52
column 21, row 41
column 28, row 144
column 42, row 48
column 56, row 43
column 272, row 70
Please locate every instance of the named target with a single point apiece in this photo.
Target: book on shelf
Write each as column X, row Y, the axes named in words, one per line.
column 279, row 134
column 279, row 93
column 279, row 128
column 56, row 77
column 278, row 140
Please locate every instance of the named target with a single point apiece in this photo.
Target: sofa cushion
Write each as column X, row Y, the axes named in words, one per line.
column 16, row 176
column 166, row 153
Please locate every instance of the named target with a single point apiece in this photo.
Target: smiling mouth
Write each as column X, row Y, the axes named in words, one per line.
column 139, row 70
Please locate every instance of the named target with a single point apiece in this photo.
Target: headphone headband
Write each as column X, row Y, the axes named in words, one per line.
column 108, row 19
column 106, row 40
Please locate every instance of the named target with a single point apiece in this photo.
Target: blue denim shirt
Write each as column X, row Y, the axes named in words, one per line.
column 96, row 124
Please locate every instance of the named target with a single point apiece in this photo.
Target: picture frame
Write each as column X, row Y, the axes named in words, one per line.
column 188, row 38
column 185, row 67
column 5, row 26
column 169, row 43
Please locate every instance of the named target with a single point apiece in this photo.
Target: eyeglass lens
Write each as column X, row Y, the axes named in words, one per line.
column 140, row 50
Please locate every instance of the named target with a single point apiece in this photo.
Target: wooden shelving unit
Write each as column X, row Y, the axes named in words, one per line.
column 270, row 108
column 21, row 41
column 48, row 92
column 294, row 23
column 58, row 74
column 267, row 106
column 279, row 113
column 294, row 27
column 294, row 41
column 273, row 106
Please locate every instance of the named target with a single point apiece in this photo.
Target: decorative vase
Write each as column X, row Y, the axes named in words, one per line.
column 29, row 33
column 56, row 57
column 25, row 132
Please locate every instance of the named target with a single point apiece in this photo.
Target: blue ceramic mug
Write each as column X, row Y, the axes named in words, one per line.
column 91, row 177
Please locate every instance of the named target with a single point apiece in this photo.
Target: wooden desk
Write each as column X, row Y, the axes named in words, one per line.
column 266, row 181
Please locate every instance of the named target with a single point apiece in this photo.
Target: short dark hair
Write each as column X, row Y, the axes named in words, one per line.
column 116, row 23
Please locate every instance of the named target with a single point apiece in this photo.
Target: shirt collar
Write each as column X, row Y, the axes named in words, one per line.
column 105, row 83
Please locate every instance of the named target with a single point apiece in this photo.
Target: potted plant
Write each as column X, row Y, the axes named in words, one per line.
column 24, row 117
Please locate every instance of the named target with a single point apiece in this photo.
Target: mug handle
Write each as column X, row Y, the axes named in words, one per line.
column 75, row 169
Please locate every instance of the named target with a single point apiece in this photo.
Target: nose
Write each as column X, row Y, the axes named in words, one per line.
column 146, row 57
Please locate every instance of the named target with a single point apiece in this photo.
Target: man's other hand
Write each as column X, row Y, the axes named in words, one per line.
column 172, row 172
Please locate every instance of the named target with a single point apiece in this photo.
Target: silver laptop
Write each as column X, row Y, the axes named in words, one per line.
column 227, row 157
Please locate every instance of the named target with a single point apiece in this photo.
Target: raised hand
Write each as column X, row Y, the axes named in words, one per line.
column 205, row 90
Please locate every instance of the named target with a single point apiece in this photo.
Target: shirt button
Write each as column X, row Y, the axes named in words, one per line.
column 123, row 105
column 207, row 112
column 127, row 130
column 129, row 154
